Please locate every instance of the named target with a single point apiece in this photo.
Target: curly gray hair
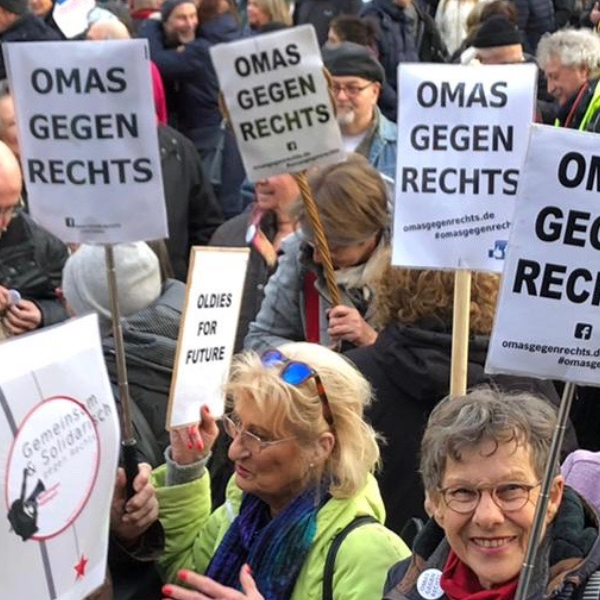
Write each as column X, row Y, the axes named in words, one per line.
column 573, row 47
column 485, row 414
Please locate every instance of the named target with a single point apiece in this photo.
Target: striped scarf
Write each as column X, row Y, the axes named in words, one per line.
column 275, row 548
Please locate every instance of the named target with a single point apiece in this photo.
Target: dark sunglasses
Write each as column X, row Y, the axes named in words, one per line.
column 296, row 373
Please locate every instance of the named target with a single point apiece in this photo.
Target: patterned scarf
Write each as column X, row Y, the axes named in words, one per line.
column 275, row 548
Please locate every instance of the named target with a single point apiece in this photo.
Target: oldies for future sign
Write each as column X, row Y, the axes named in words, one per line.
column 215, row 287
column 547, row 319
column 87, row 132
column 278, row 102
column 59, row 449
column 464, row 135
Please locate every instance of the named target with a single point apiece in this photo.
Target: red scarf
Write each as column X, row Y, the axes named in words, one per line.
column 460, row 583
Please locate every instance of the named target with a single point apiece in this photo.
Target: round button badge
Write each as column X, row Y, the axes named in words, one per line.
column 428, row 584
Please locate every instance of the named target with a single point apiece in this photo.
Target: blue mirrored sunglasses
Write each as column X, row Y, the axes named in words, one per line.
column 296, row 373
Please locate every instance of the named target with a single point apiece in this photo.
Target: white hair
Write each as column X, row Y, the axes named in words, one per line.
column 573, row 47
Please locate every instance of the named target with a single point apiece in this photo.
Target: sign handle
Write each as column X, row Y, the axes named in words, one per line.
column 542, row 503
column 320, row 239
column 460, row 332
column 128, row 442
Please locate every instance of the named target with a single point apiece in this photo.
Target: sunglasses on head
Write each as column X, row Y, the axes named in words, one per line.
column 296, row 373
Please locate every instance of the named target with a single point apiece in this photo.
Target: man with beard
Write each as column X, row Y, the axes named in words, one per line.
column 357, row 80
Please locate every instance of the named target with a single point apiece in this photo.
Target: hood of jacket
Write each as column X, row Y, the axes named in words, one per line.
column 150, row 335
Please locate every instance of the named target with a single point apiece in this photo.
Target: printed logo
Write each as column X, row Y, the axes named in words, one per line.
column 499, row 250
column 583, row 331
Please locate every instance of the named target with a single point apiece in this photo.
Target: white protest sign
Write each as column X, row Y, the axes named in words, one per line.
column 71, row 16
column 87, row 132
column 547, row 319
column 462, row 135
column 278, row 102
column 215, row 288
column 59, row 448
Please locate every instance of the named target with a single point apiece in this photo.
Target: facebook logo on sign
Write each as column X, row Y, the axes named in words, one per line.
column 583, row 331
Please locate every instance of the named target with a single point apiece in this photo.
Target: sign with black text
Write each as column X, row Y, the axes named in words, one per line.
column 59, row 448
column 88, row 140
column 462, row 135
column 278, row 102
column 547, row 321
column 215, row 287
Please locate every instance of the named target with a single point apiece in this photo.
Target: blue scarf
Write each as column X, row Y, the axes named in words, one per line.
column 274, row 548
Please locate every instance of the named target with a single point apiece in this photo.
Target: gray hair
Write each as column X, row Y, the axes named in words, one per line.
column 485, row 414
column 573, row 47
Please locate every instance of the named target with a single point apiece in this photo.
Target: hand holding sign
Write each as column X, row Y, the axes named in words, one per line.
column 191, row 444
column 346, row 323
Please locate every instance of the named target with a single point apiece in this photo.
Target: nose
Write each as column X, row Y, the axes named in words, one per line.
column 237, row 449
column 487, row 513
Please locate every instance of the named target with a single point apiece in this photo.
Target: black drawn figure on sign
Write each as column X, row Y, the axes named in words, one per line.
column 23, row 511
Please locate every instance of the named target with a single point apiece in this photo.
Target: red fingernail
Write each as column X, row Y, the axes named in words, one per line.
column 190, row 445
column 207, row 410
column 167, row 590
column 199, row 444
column 182, row 575
column 248, row 569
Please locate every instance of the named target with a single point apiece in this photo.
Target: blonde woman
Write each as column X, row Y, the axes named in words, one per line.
column 262, row 12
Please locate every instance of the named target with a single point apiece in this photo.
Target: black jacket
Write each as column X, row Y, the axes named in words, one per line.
column 193, row 213
column 31, row 262
column 319, row 13
column 409, row 368
column 233, row 234
column 27, row 28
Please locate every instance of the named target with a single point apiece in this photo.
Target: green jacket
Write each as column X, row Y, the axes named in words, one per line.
column 193, row 534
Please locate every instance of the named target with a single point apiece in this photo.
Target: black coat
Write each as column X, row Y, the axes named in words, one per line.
column 31, row 262
column 193, row 213
column 319, row 13
column 409, row 368
column 27, row 28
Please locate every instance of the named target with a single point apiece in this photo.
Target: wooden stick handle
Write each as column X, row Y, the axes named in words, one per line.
column 460, row 333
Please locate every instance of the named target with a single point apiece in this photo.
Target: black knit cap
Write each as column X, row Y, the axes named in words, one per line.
column 16, row 7
column 168, row 7
column 352, row 60
column 496, row 31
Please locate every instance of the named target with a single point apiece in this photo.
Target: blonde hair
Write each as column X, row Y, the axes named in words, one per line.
column 298, row 409
column 409, row 295
column 278, row 10
column 351, row 199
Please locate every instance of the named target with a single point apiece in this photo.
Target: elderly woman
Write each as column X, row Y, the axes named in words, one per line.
column 483, row 458
column 262, row 12
column 303, row 457
column 352, row 203
column 409, row 367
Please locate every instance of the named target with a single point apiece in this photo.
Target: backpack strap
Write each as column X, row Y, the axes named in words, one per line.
column 591, row 591
column 333, row 551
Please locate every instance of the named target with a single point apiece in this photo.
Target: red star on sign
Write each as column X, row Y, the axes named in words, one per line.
column 80, row 567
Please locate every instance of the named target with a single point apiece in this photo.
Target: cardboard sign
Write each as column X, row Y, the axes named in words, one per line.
column 71, row 16
column 59, row 449
column 278, row 102
column 547, row 320
column 214, row 293
column 463, row 135
column 87, row 132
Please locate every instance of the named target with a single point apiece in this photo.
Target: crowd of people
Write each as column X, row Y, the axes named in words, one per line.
column 340, row 469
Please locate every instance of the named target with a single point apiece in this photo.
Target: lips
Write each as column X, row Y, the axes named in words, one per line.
column 492, row 543
column 243, row 473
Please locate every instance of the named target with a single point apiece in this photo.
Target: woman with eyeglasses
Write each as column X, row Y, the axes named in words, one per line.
column 303, row 457
column 483, row 457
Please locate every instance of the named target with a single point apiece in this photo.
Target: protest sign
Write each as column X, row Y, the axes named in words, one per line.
column 462, row 134
column 58, row 458
column 87, row 133
column 278, row 102
column 215, row 288
column 71, row 16
column 547, row 319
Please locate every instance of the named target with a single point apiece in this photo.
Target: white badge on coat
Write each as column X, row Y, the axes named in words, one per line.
column 428, row 584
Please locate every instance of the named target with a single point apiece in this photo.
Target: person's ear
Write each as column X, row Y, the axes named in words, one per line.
column 555, row 497
column 325, row 446
column 434, row 506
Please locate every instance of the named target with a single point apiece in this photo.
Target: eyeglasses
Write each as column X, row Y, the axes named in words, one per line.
column 296, row 373
column 508, row 497
column 250, row 441
column 351, row 90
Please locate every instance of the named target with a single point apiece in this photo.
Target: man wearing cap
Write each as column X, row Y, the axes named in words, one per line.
column 571, row 60
column 357, row 79
column 17, row 24
column 31, row 260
